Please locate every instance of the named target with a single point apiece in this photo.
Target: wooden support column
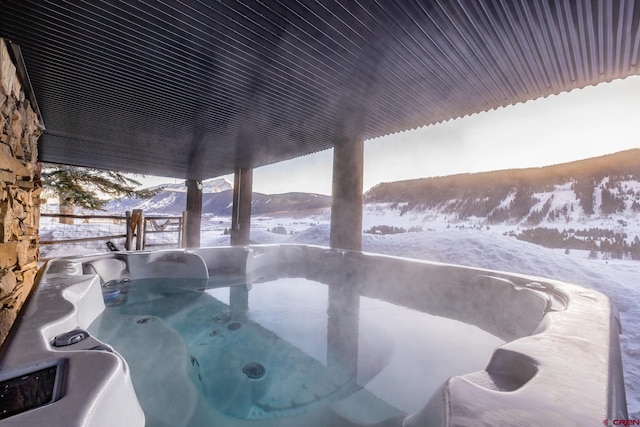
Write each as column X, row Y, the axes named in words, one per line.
column 241, row 211
column 346, row 205
column 194, row 213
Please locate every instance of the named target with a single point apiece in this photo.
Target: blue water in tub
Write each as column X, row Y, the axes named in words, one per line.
column 287, row 352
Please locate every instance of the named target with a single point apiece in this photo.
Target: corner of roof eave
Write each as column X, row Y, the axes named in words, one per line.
column 21, row 69
column 507, row 105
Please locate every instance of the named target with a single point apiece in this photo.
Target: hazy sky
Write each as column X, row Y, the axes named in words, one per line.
column 570, row 126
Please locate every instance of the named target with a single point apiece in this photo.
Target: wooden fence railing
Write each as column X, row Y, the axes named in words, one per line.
column 134, row 229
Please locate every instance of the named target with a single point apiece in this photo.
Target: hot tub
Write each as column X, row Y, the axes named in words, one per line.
column 292, row 335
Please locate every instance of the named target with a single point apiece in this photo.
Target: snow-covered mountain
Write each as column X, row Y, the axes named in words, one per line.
column 171, row 199
column 592, row 204
column 600, row 187
column 217, row 199
column 214, row 185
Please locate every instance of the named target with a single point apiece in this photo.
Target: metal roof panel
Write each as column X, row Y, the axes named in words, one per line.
column 193, row 88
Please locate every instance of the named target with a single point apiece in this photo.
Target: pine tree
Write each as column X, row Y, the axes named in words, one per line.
column 87, row 187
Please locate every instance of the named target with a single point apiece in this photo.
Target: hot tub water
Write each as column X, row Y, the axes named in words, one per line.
column 289, row 347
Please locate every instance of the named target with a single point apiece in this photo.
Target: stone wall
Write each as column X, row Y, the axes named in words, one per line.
column 19, row 193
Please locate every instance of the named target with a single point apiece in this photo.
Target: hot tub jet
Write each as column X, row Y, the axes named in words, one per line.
column 253, row 370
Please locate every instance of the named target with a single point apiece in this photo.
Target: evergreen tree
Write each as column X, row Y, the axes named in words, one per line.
column 87, row 187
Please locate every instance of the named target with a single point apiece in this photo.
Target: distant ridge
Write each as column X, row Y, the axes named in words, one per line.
column 603, row 185
column 600, row 186
column 214, row 185
column 216, row 200
column 621, row 163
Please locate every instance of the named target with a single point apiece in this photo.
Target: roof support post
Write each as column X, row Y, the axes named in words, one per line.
column 241, row 210
column 194, row 212
column 346, row 204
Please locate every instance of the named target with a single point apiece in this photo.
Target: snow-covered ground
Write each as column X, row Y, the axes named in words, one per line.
column 465, row 243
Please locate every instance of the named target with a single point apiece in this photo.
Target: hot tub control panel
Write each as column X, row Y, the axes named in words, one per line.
column 30, row 388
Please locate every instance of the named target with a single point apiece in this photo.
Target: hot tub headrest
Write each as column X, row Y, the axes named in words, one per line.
column 167, row 264
column 107, row 268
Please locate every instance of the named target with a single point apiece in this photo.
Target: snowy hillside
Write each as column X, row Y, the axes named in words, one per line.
column 591, row 205
column 601, row 185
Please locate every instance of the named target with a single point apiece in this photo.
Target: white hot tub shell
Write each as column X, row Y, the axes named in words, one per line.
column 560, row 364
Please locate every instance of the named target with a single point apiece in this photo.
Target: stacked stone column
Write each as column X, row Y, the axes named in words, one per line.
column 20, row 190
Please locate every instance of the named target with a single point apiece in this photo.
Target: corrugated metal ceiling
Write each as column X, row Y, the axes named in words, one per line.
column 193, row 88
